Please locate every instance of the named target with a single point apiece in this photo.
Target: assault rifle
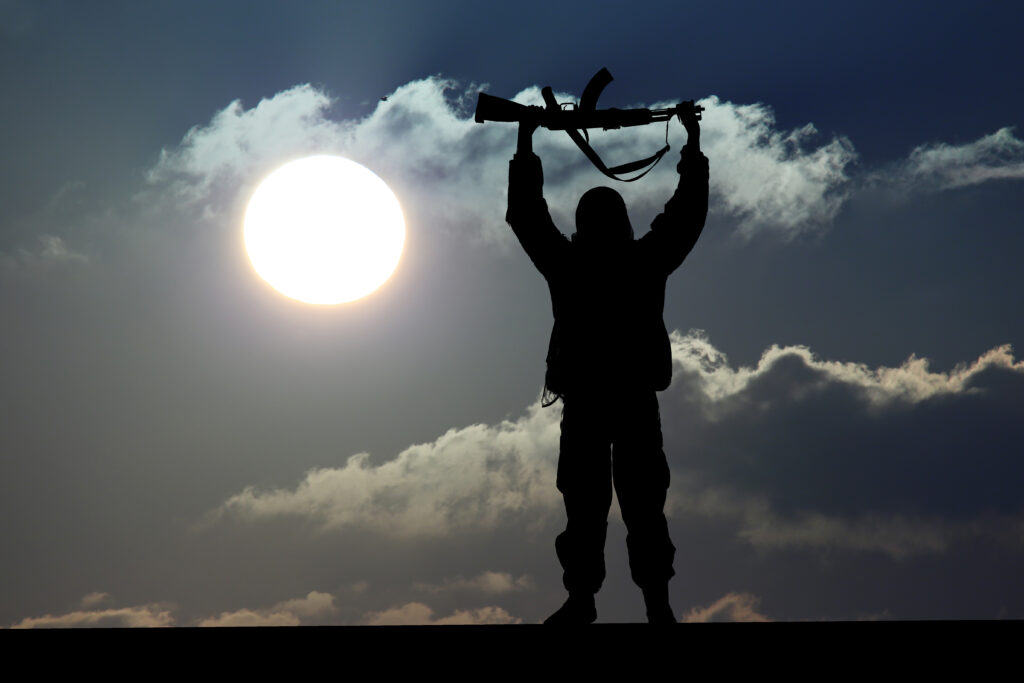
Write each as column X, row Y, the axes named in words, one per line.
column 576, row 118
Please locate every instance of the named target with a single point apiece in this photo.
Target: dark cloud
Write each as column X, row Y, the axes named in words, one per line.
column 815, row 452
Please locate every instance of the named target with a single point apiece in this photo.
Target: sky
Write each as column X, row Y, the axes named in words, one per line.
column 181, row 445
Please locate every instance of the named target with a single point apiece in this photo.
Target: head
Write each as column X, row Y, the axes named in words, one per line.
column 601, row 218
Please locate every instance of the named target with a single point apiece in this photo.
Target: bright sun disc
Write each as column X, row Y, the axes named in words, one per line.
column 324, row 230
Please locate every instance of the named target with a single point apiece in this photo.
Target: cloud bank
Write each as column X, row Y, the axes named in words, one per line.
column 476, row 477
column 452, row 172
column 804, row 452
column 797, row 452
column 423, row 141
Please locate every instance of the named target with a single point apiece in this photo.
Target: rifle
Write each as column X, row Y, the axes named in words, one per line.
column 576, row 118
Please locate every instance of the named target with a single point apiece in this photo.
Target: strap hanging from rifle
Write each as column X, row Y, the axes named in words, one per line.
column 588, row 102
column 614, row 171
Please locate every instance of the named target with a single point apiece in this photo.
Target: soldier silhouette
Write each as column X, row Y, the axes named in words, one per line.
column 608, row 356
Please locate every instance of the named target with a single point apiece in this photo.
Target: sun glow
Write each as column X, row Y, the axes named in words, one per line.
column 324, row 230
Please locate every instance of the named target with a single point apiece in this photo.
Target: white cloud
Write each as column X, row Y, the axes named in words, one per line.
column 731, row 607
column 238, row 143
column 941, row 166
column 453, row 171
column 488, row 582
column 474, row 477
column 418, row 614
column 911, row 382
column 49, row 251
column 313, row 607
column 773, row 180
column 141, row 616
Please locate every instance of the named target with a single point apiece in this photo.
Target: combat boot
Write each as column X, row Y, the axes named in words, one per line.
column 579, row 609
column 658, row 609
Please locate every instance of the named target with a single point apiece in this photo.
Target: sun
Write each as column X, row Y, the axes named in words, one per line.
column 324, row 230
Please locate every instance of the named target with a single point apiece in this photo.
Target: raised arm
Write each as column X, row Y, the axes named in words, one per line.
column 676, row 230
column 527, row 211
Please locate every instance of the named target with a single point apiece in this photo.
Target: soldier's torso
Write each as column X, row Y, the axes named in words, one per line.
column 609, row 328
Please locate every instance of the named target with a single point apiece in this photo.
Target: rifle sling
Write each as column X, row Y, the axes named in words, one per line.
column 588, row 102
column 615, row 171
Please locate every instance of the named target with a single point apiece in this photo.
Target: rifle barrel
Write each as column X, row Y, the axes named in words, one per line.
column 610, row 119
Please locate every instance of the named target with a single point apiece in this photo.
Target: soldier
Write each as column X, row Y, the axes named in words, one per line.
column 609, row 354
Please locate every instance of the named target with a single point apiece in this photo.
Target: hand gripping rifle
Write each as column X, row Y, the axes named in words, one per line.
column 575, row 119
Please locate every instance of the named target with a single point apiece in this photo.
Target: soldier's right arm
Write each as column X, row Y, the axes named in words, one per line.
column 528, row 212
column 675, row 231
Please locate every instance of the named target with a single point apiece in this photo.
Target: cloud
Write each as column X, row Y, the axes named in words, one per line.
column 763, row 179
column 453, row 171
column 418, row 614
column 238, row 143
column 471, row 478
column 796, row 452
column 93, row 599
column 941, row 166
column 731, row 607
column 312, row 608
column 488, row 582
column 48, row 252
column 898, row 536
column 39, row 239
column 246, row 617
column 911, row 382
column 772, row 180
column 802, row 452
column 141, row 616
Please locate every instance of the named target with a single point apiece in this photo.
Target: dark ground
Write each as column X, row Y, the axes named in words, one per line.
column 474, row 652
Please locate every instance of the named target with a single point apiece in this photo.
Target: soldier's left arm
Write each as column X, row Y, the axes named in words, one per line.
column 676, row 230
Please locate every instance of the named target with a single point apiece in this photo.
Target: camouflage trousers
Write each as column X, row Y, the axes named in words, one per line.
column 606, row 440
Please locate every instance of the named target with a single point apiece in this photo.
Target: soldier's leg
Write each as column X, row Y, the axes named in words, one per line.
column 584, row 479
column 641, row 484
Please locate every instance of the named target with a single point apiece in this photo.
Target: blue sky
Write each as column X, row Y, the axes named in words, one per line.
column 179, row 437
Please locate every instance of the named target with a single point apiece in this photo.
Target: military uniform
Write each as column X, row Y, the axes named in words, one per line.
column 609, row 354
